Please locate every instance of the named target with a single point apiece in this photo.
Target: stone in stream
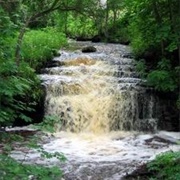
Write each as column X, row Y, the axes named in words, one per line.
column 88, row 49
column 163, row 138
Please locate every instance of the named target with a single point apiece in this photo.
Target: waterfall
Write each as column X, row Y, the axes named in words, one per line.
column 101, row 108
column 98, row 92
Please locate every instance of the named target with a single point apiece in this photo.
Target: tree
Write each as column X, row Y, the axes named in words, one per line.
column 34, row 10
column 154, row 28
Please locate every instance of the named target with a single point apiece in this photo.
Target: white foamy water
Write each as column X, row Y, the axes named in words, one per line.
column 101, row 156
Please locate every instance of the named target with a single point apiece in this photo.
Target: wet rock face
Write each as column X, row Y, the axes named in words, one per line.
column 96, row 38
column 169, row 116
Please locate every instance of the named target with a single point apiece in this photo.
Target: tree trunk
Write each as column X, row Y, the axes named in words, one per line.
column 106, row 23
column 159, row 21
column 179, row 81
column 19, row 42
column 114, row 17
column 66, row 23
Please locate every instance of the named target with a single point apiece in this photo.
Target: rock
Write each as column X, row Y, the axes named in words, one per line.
column 163, row 138
column 51, row 64
column 89, row 49
column 96, row 38
column 81, row 38
column 127, row 55
column 2, row 129
column 141, row 172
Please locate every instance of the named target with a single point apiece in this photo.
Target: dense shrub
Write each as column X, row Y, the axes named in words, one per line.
column 166, row 166
column 18, row 92
column 20, row 88
column 39, row 46
column 154, row 34
column 118, row 31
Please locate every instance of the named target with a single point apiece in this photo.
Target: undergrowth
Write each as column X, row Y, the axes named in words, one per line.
column 50, row 123
column 11, row 169
column 40, row 46
column 166, row 166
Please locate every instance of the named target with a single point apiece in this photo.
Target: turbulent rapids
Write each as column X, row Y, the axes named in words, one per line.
column 103, row 110
column 98, row 92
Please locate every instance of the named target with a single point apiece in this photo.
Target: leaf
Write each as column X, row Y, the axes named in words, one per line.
column 25, row 118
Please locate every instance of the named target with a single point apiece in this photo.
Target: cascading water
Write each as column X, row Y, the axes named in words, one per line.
column 98, row 92
column 96, row 96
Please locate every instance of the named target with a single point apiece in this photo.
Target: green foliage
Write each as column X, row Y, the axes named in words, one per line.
column 141, row 68
column 75, row 25
column 166, row 166
column 8, row 32
column 118, row 30
column 162, row 80
column 7, row 27
column 39, row 46
column 153, row 25
column 80, row 26
column 47, row 155
column 50, row 124
column 154, row 35
column 15, row 84
column 20, row 89
column 12, row 169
